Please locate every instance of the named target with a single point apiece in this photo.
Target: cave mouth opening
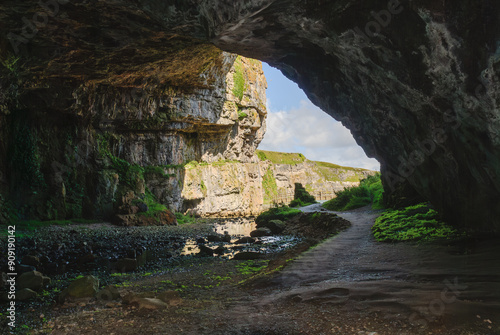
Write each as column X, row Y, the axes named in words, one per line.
column 296, row 125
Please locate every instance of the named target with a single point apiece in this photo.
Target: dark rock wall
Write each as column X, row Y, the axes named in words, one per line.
column 415, row 81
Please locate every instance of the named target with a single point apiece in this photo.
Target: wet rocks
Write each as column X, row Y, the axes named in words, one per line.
column 172, row 298
column 260, row 232
column 31, row 260
column 245, row 240
column 276, row 226
column 205, row 251
column 247, row 255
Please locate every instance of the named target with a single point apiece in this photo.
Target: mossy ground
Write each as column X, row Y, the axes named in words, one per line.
column 279, row 213
column 280, row 157
column 415, row 223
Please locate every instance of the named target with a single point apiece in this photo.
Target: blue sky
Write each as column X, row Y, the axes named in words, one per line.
column 294, row 124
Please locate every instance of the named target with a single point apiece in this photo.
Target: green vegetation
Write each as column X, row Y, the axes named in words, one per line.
column 241, row 115
column 301, row 197
column 280, row 157
column 269, row 185
column 414, row 223
column 239, row 79
column 369, row 191
column 279, row 213
column 251, row 267
column 185, row 219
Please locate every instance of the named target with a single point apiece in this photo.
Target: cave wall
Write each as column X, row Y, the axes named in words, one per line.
column 415, row 81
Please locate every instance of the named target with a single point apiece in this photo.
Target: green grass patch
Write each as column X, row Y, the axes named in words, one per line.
column 279, row 213
column 369, row 191
column 185, row 219
column 241, row 115
column 281, row 157
column 414, row 223
column 269, row 185
column 252, row 266
column 239, row 79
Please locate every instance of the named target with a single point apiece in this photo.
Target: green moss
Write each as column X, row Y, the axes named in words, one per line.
column 281, row 157
column 239, row 79
column 203, row 188
column 414, row 223
column 252, row 266
column 269, row 186
column 241, row 115
column 279, row 213
column 185, row 219
column 370, row 191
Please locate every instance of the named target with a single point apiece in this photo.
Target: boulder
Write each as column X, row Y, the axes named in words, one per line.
column 226, row 237
column 172, row 298
column 245, row 240
column 247, row 255
column 25, row 294
column 161, row 218
column 84, row 287
column 205, row 251
column 150, row 303
column 33, row 280
column 108, row 293
column 276, row 226
column 259, row 232
column 214, row 238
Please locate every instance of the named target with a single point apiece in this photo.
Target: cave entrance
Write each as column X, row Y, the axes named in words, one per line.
column 296, row 125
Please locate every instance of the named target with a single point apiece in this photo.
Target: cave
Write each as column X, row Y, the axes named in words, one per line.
column 129, row 113
column 414, row 81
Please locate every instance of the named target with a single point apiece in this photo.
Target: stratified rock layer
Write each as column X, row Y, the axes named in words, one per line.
column 416, row 82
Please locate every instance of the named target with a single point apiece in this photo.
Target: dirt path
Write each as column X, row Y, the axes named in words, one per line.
column 351, row 284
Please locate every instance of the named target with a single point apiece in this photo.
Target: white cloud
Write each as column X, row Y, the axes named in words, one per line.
column 317, row 135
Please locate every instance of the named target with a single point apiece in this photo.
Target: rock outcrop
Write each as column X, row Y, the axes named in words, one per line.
column 415, row 81
column 232, row 188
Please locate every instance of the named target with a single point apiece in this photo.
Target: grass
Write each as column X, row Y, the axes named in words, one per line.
column 281, row 157
column 252, row 266
column 239, row 79
column 269, row 185
column 185, row 219
column 369, row 191
column 279, row 213
column 415, row 223
column 242, row 115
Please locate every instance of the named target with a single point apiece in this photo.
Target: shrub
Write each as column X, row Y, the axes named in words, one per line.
column 414, row 223
column 369, row 191
column 279, row 213
column 185, row 219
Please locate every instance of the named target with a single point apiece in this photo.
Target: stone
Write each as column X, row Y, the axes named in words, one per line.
column 214, row 238
column 276, row 226
column 247, row 255
column 201, row 240
column 220, row 250
column 172, row 298
column 205, row 251
column 142, row 207
column 126, row 265
column 85, row 287
column 33, row 280
column 226, row 237
column 150, row 303
column 22, row 268
column 108, row 293
column 160, row 218
column 25, row 294
column 245, row 240
column 260, row 232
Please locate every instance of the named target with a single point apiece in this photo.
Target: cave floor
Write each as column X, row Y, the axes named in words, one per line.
column 349, row 284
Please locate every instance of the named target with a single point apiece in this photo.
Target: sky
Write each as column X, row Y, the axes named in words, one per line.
column 294, row 124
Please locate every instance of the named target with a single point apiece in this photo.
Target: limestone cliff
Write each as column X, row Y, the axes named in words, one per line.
column 231, row 188
column 108, row 143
